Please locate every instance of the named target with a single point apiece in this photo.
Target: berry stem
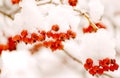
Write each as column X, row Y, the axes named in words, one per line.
column 97, row 76
column 90, row 21
column 72, row 57
column 108, row 75
column 88, row 18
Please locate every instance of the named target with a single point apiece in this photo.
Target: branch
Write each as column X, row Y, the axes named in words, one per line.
column 61, row 1
column 16, row 11
column 88, row 18
column 8, row 15
column 108, row 75
column 72, row 57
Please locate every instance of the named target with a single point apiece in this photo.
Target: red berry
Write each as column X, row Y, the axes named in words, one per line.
column 16, row 38
column 26, row 40
column 41, row 38
column 62, row 36
column 71, row 33
column 99, row 25
column 49, row 34
column 106, row 61
column 15, row 1
column 59, row 45
column 11, row 44
column 113, row 61
column 92, row 72
column 87, row 66
column 112, row 68
column 24, row 33
column 43, row 32
column 106, row 68
column 73, row 2
column 100, row 71
column 116, row 66
column 89, row 29
column 56, row 36
column 46, row 44
column 55, row 27
column 89, row 61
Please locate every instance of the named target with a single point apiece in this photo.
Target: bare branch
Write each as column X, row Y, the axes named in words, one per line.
column 8, row 15
column 72, row 57
column 61, row 1
column 108, row 75
column 16, row 11
column 88, row 18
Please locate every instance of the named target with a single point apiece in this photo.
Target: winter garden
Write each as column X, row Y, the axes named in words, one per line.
column 59, row 39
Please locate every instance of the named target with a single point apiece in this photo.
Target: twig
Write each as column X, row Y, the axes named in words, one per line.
column 97, row 76
column 107, row 75
column 16, row 11
column 61, row 1
column 72, row 57
column 8, row 15
column 88, row 18
column 90, row 21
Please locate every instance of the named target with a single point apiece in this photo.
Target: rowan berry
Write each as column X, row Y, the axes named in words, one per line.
column 15, row 1
column 17, row 38
column 100, row 71
column 49, row 34
column 24, row 33
column 99, row 25
column 92, row 72
column 72, row 2
column 55, row 27
column 11, row 44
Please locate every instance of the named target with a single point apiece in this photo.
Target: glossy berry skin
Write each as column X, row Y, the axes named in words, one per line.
column 55, row 27
column 24, row 33
column 17, row 38
column 15, row 1
column 105, row 64
column 72, row 2
column 90, row 29
column 88, row 64
column 11, row 44
column 100, row 71
column 99, row 25
column 54, row 39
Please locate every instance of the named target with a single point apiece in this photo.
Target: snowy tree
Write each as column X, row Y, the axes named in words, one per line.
column 59, row 38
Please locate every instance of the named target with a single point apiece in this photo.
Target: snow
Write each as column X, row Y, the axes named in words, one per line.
column 47, row 64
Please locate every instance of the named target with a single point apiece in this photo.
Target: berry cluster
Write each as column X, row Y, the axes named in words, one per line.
column 104, row 65
column 51, row 39
column 90, row 29
column 11, row 45
column 15, row 1
column 72, row 2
